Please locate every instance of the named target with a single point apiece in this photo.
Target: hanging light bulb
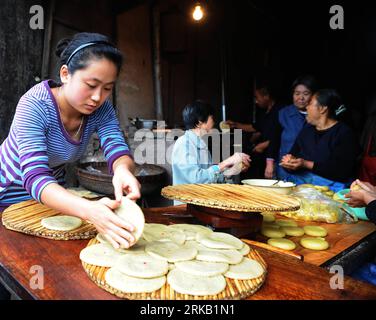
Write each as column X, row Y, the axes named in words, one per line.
column 198, row 13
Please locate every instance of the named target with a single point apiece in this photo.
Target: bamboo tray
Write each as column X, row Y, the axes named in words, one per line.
column 26, row 217
column 231, row 197
column 235, row 289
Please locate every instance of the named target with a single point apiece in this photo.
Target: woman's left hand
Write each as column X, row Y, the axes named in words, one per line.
column 125, row 181
column 362, row 196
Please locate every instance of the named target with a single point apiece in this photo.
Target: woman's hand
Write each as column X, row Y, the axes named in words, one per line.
column 113, row 228
column 125, row 181
column 235, row 164
column 236, row 158
column 362, row 195
column 269, row 169
column 357, row 184
column 232, row 124
column 291, row 163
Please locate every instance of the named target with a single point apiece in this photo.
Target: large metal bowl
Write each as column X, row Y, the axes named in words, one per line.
column 94, row 176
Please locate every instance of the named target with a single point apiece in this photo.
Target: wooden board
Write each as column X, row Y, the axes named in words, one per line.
column 340, row 237
column 231, row 197
column 235, row 289
column 26, row 217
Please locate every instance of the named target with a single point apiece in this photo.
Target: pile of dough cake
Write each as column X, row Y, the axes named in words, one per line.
column 277, row 229
column 192, row 259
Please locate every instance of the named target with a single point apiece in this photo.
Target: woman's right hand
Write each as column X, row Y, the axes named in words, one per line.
column 117, row 231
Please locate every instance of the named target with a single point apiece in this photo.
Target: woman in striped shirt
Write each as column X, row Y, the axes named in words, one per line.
column 52, row 126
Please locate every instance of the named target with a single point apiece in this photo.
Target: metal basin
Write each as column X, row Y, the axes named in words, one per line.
column 94, row 176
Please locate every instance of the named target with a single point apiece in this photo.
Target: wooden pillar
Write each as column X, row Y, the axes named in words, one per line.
column 21, row 52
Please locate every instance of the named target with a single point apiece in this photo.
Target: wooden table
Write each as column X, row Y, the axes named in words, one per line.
column 341, row 237
column 65, row 278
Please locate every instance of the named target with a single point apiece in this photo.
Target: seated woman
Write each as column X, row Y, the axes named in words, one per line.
column 325, row 151
column 191, row 159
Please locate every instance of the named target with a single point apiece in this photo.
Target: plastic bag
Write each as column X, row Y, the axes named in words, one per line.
column 315, row 206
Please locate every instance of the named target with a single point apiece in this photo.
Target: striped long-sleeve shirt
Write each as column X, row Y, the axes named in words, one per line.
column 37, row 148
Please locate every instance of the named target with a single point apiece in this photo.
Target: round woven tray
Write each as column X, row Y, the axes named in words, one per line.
column 235, row 289
column 231, row 197
column 26, row 218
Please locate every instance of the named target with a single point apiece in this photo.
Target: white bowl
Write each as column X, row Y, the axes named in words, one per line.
column 278, row 186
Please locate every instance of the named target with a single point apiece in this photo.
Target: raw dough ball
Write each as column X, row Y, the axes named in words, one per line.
column 268, row 218
column 286, row 223
column 271, row 225
column 315, row 231
column 314, row 243
column 224, row 126
column 284, row 244
column 293, row 231
column 355, row 188
column 272, row 232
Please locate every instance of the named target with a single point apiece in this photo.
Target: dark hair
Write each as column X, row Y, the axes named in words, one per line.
column 330, row 99
column 75, row 59
column 198, row 111
column 307, row 81
column 265, row 86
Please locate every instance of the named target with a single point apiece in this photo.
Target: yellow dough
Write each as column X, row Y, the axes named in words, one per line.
column 271, row 225
column 286, row 223
column 272, row 232
column 293, row 231
column 284, row 244
column 314, row 243
column 315, row 231
column 322, row 188
column 268, row 217
column 356, row 188
column 224, row 126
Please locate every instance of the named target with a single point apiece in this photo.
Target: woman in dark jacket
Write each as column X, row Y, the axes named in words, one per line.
column 326, row 149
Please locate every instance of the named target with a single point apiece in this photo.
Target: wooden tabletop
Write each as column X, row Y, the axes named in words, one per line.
column 65, row 278
column 340, row 237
